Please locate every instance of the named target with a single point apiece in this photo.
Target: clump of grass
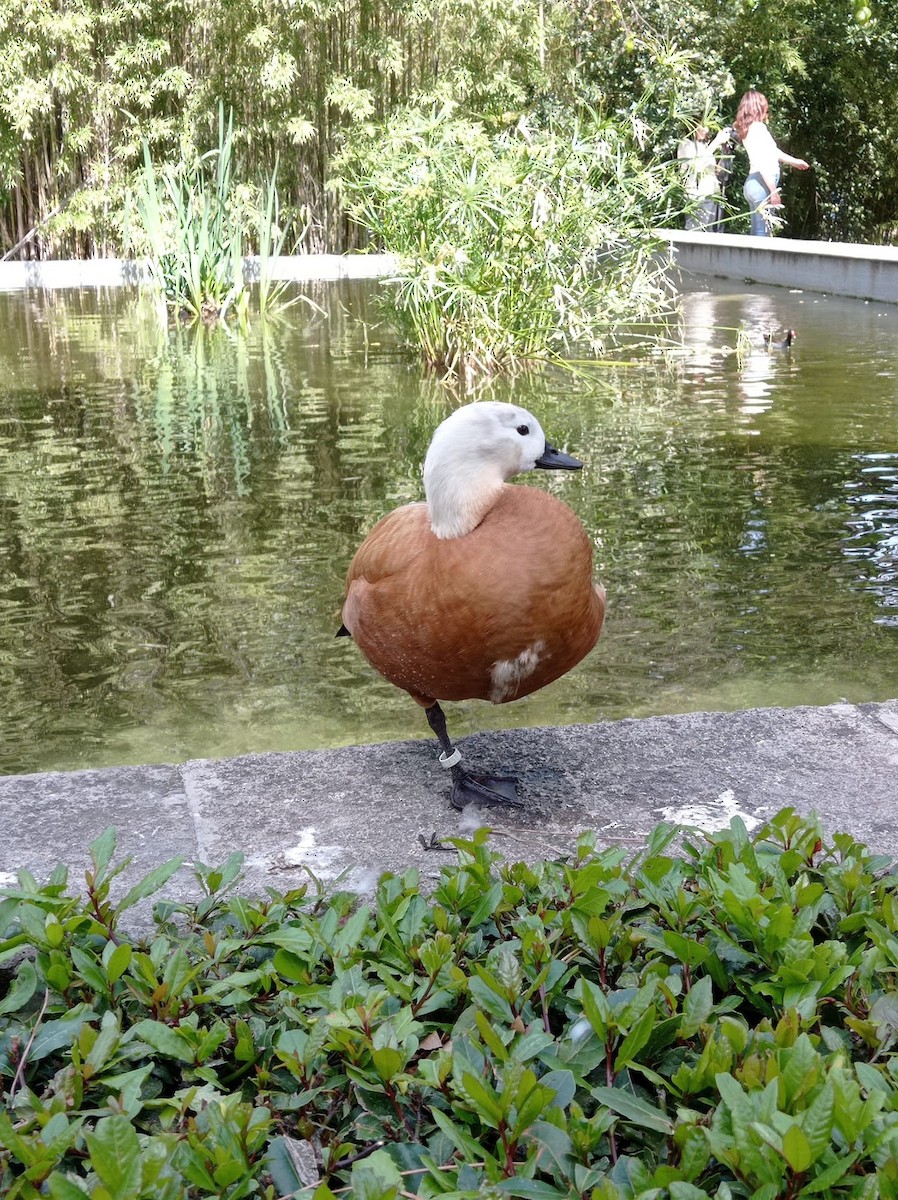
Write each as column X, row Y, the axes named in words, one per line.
column 192, row 219
column 513, row 247
column 717, row 1022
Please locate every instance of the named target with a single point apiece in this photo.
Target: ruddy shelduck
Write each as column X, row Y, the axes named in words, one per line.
column 484, row 591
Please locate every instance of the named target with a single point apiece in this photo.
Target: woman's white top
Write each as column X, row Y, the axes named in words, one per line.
column 699, row 168
column 763, row 152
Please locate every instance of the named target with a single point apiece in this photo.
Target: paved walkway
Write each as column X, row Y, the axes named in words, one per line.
column 360, row 810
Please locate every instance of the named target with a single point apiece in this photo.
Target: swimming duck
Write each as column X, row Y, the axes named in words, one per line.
column 772, row 344
column 484, row 591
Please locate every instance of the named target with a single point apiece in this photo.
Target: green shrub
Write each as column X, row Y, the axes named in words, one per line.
column 719, row 1022
column 515, row 246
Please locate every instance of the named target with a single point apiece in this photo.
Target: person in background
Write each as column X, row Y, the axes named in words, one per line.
column 700, row 179
column 764, row 158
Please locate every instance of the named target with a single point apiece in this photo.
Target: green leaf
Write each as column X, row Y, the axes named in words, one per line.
column 680, row 1190
column 23, row 988
column 832, row 1175
column 220, row 878
column 595, row 1008
column 529, row 1189
column 490, row 1037
column 323, row 1192
column 484, row 1099
column 633, row 1109
column 486, row 997
column 687, row 950
column 118, row 961
column 149, row 884
column 387, row 1062
column 162, row 1039
column 106, row 1041
column 487, row 906
column 352, row 932
column 697, row 1007
column 817, row 1121
column 797, row 1149
column 102, row 850
column 90, row 970
column 459, row 1137
column 635, row 1039
column 376, row 1177
column 115, row 1156
column 62, row 1188
column 695, row 1153
column 735, row 1099
column 292, row 1165
column 800, row 1069
column 178, row 974
column 291, row 966
column 555, row 1148
column 54, row 1035
column 127, row 1086
column 562, row 1084
column 20, row 1147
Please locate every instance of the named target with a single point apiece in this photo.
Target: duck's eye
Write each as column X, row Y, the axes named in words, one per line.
column 523, row 430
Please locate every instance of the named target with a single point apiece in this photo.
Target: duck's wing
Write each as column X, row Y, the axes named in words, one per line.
column 531, row 607
column 384, row 564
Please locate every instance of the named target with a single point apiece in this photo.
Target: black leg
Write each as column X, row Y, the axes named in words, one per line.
column 482, row 790
column 436, row 719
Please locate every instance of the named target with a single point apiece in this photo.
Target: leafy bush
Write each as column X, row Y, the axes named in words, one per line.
column 512, row 246
column 716, row 1023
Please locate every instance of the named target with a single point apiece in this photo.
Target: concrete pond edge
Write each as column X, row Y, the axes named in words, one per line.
column 349, row 814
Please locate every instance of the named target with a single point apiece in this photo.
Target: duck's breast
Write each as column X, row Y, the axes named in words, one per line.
column 493, row 615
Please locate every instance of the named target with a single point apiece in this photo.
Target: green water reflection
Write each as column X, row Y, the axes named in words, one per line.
column 177, row 513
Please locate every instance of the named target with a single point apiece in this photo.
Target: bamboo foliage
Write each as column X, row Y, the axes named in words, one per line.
column 83, row 83
column 82, row 90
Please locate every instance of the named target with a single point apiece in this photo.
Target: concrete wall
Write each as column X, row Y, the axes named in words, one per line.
column 837, row 268
column 112, row 272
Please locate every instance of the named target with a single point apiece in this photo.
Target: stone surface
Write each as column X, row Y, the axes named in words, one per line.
column 353, row 813
column 52, row 818
column 117, row 272
column 834, row 268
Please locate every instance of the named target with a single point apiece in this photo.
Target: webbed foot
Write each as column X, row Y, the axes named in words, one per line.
column 484, row 791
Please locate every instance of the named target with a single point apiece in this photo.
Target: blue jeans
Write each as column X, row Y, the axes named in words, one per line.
column 756, row 193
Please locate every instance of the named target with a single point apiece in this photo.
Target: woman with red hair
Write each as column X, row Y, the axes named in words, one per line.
column 764, row 158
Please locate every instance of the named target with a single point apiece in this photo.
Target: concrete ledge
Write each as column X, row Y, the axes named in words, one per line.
column 114, row 272
column 837, row 268
column 360, row 810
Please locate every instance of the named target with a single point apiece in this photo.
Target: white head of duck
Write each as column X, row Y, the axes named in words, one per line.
column 474, row 453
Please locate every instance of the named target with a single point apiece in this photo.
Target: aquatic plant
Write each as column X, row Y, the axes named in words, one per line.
column 191, row 219
column 514, row 246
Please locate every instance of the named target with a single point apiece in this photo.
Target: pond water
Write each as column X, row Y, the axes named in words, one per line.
column 177, row 511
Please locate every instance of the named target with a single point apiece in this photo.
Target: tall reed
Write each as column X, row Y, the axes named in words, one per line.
column 190, row 222
column 193, row 230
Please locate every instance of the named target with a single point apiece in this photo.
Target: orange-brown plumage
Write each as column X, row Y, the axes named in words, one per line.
column 483, row 592
column 435, row 615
